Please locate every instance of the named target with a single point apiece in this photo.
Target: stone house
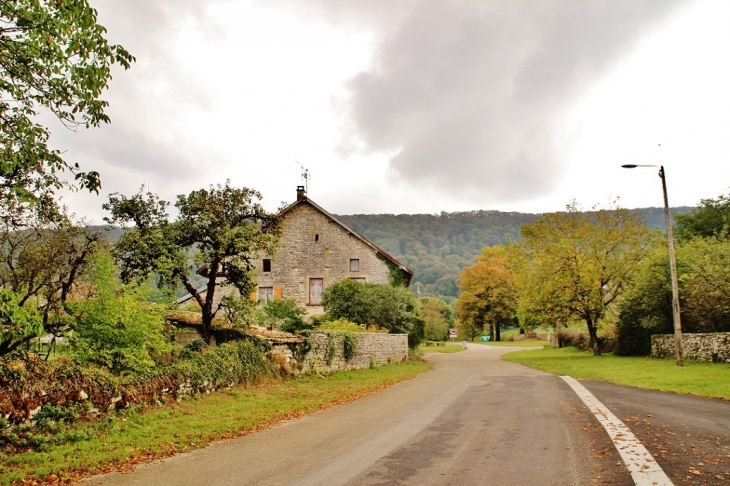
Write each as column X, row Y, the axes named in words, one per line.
column 317, row 250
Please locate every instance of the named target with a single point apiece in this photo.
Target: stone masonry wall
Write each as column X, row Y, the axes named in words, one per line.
column 327, row 352
column 313, row 246
column 714, row 347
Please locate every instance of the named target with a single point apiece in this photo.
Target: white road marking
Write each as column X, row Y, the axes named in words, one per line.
column 643, row 468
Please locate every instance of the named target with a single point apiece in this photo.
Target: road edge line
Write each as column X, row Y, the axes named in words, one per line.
column 642, row 466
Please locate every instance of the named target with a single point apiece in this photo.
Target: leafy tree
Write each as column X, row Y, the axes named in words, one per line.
column 370, row 304
column 40, row 265
column 703, row 268
column 438, row 317
column 116, row 325
column 711, row 219
column 18, row 324
column 487, row 295
column 54, row 58
column 223, row 224
column 575, row 265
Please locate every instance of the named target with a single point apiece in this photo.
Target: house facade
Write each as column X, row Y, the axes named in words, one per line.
column 317, row 250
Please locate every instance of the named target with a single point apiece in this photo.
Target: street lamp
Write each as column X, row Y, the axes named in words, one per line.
column 672, row 265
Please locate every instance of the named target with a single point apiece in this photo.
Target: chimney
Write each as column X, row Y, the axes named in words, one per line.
column 301, row 194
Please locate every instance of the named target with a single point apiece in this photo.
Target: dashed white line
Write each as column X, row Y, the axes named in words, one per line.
column 643, row 468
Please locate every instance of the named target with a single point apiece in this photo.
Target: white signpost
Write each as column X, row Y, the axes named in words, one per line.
column 452, row 334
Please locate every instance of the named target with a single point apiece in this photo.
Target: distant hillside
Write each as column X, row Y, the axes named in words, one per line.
column 438, row 246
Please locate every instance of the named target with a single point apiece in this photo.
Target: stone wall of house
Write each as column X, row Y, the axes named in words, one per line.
column 714, row 347
column 314, row 246
column 326, row 352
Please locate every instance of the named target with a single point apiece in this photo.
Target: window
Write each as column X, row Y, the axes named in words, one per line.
column 267, row 265
column 358, row 279
column 354, row 264
column 316, row 237
column 266, row 294
column 315, row 290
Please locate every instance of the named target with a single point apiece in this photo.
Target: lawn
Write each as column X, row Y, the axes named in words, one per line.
column 522, row 344
column 446, row 348
column 134, row 437
column 694, row 378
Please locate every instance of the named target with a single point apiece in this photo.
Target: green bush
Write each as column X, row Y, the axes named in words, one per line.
column 384, row 306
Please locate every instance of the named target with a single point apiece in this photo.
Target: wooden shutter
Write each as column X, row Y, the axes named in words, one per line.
column 277, row 293
column 254, row 296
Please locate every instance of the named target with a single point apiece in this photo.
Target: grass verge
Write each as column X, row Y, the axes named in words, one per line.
column 118, row 443
column 694, row 378
column 446, row 348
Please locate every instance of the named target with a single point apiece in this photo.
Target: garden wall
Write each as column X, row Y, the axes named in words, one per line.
column 326, row 352
column 713, row 347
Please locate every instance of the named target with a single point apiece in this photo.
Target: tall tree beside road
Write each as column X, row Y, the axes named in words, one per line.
column 223, row 225
column 53, row 58
column 575, row 265
column 487, row 295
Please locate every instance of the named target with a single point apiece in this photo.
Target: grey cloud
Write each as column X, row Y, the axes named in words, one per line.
column 468, row 94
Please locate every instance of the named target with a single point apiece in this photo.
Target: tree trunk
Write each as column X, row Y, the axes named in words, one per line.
column 497, row 332
column 593, row 333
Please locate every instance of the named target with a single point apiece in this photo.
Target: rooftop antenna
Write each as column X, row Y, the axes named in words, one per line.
column 305, row 176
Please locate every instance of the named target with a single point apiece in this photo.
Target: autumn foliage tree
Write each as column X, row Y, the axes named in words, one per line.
column 487, row 295
column 575, row 265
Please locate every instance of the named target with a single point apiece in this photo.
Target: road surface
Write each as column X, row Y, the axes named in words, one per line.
column 473, row 419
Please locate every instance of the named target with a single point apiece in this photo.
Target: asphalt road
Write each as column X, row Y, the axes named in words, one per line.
column 473, row 419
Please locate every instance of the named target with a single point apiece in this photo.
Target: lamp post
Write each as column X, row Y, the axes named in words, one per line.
column 672, row 265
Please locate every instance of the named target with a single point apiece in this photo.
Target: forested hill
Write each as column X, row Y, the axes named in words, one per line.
column 436, row 247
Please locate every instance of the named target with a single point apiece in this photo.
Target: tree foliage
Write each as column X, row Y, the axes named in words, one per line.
column 438, row 317
column 488, row 295
column 703, row 268
column 224, row 226
column 40, row 266
column 53, row 58
column 116, row 325
column 575, row 265
column 370, row 304
column 710, row 219
column 18, row 324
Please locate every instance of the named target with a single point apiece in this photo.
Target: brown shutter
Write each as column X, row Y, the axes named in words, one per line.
column 254, row 296
column 277, row 293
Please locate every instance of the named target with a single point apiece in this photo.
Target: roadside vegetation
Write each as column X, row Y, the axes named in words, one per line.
column 694, row 378
column 134, row 436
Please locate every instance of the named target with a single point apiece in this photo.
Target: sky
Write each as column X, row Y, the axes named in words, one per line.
column 415, row 106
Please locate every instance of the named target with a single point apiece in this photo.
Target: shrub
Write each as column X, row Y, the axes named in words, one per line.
column 66, row 392
column 341, row 325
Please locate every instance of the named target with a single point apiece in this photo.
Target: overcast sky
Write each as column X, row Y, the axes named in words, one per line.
column 415, row 106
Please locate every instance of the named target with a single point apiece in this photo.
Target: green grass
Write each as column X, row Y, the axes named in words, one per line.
column 122, row 441
column 694, row 378
column 446, row 348
column 523, row 344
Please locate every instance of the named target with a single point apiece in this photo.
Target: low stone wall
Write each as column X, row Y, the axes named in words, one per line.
column 326, row 352
column 714, row 347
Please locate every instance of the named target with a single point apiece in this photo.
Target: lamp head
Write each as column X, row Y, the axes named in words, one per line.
column 629, row 166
